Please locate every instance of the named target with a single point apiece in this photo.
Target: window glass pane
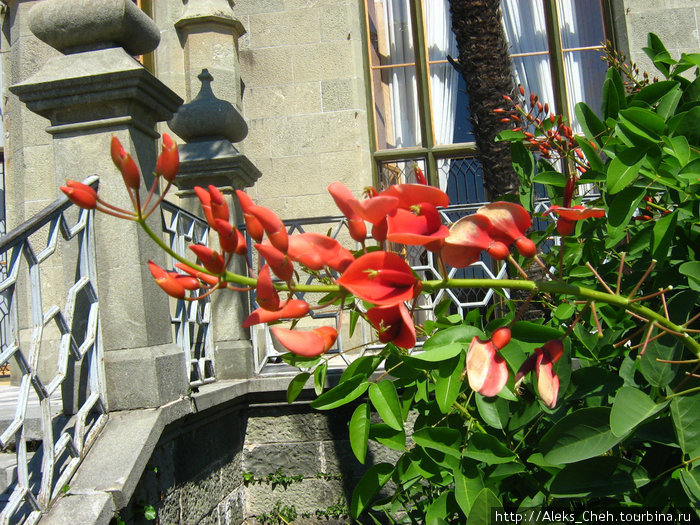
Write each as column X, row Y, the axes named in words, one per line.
column 400, row 171
column 390, row 33
column 464, row 179
column 440, row 39
column 396, row 107
column 444, row 79
column 524, row 22
column 581, row 23
column 585, row 74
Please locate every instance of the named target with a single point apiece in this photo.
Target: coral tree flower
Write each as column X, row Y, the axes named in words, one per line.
column 468, row 238
column 212, row 260
column 342, row 197
column 265, row 293
column 252, row 224
column 510, row 222
column 487, row 371
column 80, row 194
column 306, row 344
column 380, row 278
column 292, row 309
column 273, row 226
column 279, row 263
column 411, row 194
column 542, row 360
column 173, row 283
column 168, row 162
column 568, row 216
column 126, row 164
column 394, row 324
column 316, row 251
column 421, row 225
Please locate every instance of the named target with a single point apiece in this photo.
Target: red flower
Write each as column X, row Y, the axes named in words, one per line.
column 374, row 209
column 173, row 283
column 568, row 216
column 292, row 309
column 487, row 371
column 80, row 194
column 420, row 176
column 265, row 293
column 273, row 226
column 342, row 197
column 126, row 164
column 209, row 279
column 211, row 259
column 542, row 360
column 510, row 222
column 219, row 208
column 468, row 238
column 169, row 159
column 228, row 238
column 252, row 224
column 412, row 194
column 279, row 262
column 316, row 251
column 380, row 278
column 394, row 324
column 419, row 226
column 306, row 344
column 205, row 201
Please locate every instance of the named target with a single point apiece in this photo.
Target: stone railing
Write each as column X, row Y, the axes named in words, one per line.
column 51, row 337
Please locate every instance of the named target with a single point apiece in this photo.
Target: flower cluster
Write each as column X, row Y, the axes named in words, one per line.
column 403, row 213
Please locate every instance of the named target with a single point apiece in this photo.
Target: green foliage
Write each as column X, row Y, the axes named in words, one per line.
column 624, row 430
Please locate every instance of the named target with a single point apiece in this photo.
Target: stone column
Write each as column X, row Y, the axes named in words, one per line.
column 93, row 91
column 209, row 126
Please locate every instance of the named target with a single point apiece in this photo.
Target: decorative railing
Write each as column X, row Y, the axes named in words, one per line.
column 191, row 320
column 55, row 354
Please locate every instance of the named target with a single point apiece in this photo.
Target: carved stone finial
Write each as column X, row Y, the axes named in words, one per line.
column 207, row 117
column 83, row 25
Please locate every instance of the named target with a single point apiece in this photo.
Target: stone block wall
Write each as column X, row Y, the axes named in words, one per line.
column 238, row 464
column 304, row 101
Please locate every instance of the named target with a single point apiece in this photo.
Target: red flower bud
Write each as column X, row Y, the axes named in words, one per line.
column 292, row 309
column 266, row 294
column 219, row 208
column 126, row 164
column 80, row 194
column 209, row 279
column 252, row 224
column 169, row 159
column 228, row 238
column 211, row 259
column 306, row 344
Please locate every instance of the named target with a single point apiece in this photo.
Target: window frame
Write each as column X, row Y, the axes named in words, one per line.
column 428, row 150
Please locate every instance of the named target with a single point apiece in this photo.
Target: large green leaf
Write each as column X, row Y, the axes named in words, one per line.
column 664, row 231
column 448, row 382
column 368, row 487
column 455, row 334
column 630, row 408
column 387, row 436
column 644, row 123
column 363, row 366
column 341, row 394
column 523, row 162
column 610, row 105
column 623, row 169
column 385, row 399
column 691, row 485
column 534, row 333
column 296, row 385
column 597, row 477
column 652, row 93
column 438, row 354
column 580, row 435
column 320, row 377
column 669, row 102
column 484, row 447
column 493, row 410
column 592, row 126
column 622, row 206
column 359, row 431
column 484, row 507
column 444, row 439
column 468, row 483
column 655, row 372
column 684, row 411
column 592, row 155
column 677, row 147
column 438, row 511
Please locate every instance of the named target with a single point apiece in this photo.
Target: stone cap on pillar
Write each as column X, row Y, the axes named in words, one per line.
column 209, row 12
column 79, row 25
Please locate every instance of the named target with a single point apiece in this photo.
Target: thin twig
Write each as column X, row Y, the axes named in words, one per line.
column 522, row 308
column 619, row 272
column 600, row 279
column 517, row 266
column 661, row 292
column 543, row 266
column 595, row 318
column 575, row 321
column 646, row 339
column 644, row 277
column 634, row 334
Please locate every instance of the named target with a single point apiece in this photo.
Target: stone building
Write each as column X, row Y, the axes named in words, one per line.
column 281, row 97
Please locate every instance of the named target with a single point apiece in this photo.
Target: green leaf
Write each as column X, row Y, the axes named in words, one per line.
column 299, row 361
column 691, row 270
column 580, row 435
column 610, row 105
column 598, row 477
column 684, row 411
column 386, row 400
column 656, row 373
column 657, row 53
column 455, row 334
column 510, row 135
column 468, row 483
column 484, row 447
column 690, row 171
column 296, row 385
column 482, row 511
column 643, row 123
column 343, row 393
column 149, row 512
column 655, row 91
column 359, row 431
column 523, row 162
column 449, row 382
column 437, row 511
column 623, row 169
column 368, row 487
column 363, row 366
column 320, row 378
column 592, row 126
column 553, row 178
column 387, row 436
column 437, row 354
column 354, row 317
column 669, row 102
column 622, row 207
column 663, row 233
column 691, row 485
column 630, row 408
column 534, row 333
column 592, row 155
column 443, row 439
column 493, row 410
column 677, row 147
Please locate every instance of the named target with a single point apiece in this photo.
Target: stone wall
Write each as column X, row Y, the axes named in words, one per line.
column 304, row 101
column 227, row 465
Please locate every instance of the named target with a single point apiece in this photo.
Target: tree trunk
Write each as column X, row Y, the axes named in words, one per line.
column 488, row 72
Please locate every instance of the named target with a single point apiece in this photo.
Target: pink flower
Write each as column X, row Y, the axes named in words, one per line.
column 306, row 344
column 468, row 238
column 542, row 360
column 292, row 309
column 316, row 251
column 394, row 324
column 510, row 223
column 487, row 371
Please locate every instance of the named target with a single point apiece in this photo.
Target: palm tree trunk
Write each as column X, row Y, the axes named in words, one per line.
column 488, row 72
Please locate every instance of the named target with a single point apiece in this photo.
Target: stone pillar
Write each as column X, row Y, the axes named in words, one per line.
column 209, row 126
column 93, row 91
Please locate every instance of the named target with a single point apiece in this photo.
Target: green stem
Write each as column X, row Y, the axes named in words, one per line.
column 683, row 464
column 684, row 392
